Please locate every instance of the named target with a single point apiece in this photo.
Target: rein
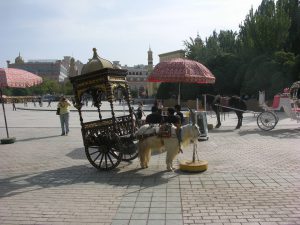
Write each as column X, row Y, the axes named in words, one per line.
column 235, row 109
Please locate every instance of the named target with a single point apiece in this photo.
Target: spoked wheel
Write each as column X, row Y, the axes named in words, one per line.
column 103, row 157
column 129, row 157
column 267, row 120
column 130, row 152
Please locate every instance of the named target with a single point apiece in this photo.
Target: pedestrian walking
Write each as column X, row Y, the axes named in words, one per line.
column 14, row 106
column 64, row 111
column 49, row 102
column 40, row 102
column 140, row 111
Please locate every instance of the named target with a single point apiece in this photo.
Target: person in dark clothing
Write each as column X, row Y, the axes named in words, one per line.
column 14, row 105
column 175, row 120
column 171, row 118
column 154, row 117
column 178, row 113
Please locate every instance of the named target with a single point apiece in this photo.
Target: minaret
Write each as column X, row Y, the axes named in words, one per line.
column 198, row 40
column 150, row 59
column 151, row 87
column 19, row 59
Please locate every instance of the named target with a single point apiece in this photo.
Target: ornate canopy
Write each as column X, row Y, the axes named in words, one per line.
column 181, row 71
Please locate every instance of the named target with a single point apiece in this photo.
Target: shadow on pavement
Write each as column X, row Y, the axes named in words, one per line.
column 222, row 130
column 82, row 174
column 278, row 133
column 37, row 138
column 78, row 153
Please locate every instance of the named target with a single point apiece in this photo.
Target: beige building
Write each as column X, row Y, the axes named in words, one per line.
column 153, row 87
column 171, row 55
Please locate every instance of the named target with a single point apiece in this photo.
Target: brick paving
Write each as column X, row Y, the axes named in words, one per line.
column 253, row 177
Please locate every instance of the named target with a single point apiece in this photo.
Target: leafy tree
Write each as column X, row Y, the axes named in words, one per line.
column 227, row 41
column 292, row 8
column 264, row 55
column 224, row 67
column 264, row 31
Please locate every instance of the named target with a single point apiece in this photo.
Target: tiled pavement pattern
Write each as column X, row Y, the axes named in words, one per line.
column 253, row 178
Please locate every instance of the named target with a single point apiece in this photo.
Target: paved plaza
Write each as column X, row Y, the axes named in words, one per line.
column 253, row 177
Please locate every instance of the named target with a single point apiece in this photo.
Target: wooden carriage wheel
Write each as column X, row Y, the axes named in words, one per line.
column 104, row 156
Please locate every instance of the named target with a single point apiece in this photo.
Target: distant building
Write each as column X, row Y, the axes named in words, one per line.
column 137, row 79
column 137, row 76
column 171, row 55
column 48, row 68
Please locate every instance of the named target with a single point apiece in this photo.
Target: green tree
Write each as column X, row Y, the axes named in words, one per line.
column 264, row 31
column 224, row 67
column 292, row 8
column 227, row 41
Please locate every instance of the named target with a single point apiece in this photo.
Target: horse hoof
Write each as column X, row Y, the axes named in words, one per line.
column 144, row 167
column 170, row 169
column 218, row 125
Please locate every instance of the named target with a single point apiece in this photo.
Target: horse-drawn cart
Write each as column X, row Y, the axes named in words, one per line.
column 107, row 141
column 289, row 101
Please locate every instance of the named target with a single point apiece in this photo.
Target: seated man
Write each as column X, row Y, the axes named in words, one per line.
column 178, row 113
column 171, row 118
column 154, row 117
column 176, row 121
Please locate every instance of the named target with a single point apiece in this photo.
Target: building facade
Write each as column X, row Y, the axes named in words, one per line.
column 171, row 55
column 137, row 79
column 46, row 68
column 137, row 76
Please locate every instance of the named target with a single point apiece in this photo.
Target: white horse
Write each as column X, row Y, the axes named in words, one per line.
column 149, row 142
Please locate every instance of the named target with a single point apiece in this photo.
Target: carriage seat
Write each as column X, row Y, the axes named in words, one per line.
column 165, row 130
column 297, row 110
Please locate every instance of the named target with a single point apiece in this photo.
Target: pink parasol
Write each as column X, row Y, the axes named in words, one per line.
column 16, row 78
column 181, row 71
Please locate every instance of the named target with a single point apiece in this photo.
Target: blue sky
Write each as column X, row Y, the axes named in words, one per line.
column 120, row 29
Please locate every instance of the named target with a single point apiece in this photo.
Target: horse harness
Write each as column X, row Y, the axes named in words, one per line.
column 224, row 103
column 164, row 131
